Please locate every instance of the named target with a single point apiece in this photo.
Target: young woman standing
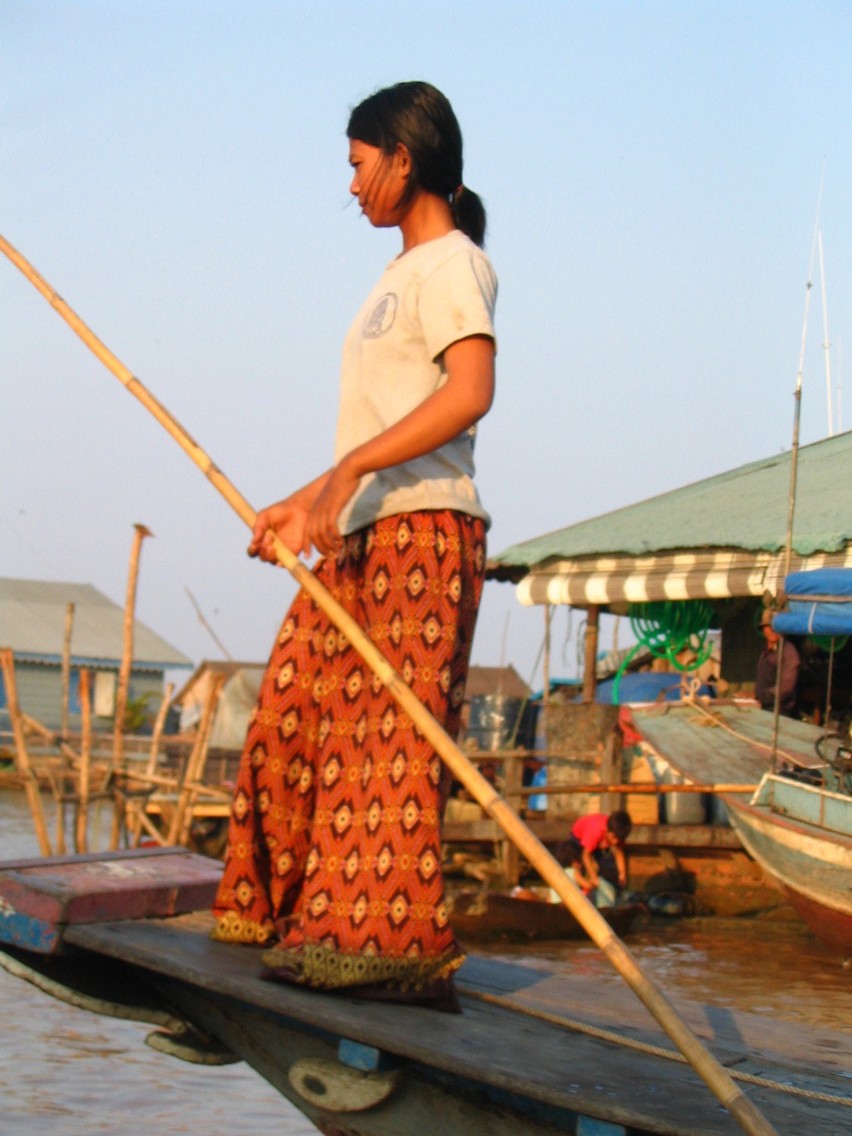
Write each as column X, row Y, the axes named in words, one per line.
column 334, row 849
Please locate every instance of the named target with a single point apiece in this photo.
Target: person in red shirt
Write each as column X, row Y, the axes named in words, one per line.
column 584, row 854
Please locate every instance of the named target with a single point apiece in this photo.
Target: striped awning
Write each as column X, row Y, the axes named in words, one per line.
column 704, row 574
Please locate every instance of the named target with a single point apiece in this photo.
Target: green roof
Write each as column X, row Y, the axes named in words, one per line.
column 745, row 508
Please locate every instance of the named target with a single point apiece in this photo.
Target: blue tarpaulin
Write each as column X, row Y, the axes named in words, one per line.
column 644, row 686
column 818, row 603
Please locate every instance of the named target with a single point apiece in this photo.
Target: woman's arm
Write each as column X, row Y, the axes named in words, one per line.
column 460, row 403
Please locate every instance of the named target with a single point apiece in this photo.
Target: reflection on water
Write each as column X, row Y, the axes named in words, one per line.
column 776, row 969
column 69, row 1073
column 65, row 1072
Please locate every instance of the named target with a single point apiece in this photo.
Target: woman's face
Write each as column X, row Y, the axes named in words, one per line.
column 378, row 181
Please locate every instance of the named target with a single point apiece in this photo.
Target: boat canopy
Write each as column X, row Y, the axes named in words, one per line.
column 818, row 603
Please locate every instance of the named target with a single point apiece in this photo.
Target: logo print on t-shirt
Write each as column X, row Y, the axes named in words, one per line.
column 380, row 320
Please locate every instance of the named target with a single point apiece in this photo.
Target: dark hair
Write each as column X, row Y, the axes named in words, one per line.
column 620, row 825
column 421, row 118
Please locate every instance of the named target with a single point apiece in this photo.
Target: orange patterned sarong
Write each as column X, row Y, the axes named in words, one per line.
column 334, row 840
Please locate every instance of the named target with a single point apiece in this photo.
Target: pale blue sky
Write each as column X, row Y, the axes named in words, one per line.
column 177, row 171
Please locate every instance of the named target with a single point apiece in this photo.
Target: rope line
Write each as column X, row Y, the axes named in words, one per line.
column 718, row 720
column 643, row 1046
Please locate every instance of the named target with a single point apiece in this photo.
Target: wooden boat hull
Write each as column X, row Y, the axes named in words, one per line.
column 490, row 916
column 532, row 1052
column 801, row 835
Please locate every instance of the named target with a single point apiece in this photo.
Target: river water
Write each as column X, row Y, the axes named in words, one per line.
column 65, row 1072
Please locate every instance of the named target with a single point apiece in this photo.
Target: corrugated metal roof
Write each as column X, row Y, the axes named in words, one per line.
column 745, row 508
column 32, row 623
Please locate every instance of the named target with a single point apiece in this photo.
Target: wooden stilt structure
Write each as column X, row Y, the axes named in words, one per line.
column 590, row 653
column 22, row 760
column 81, row 833
column 66, row 666
column 182, row 819
column 59, row 789
column 135, row 827
column 124, row 680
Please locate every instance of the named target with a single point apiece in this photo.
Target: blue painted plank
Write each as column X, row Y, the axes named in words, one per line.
column 17, row 930
column 366, row 1058
column 588, row 1126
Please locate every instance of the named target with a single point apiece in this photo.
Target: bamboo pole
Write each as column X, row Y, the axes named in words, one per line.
column 81, row 833
column 22, row 758
column 150, row 768
column 57, row 787
column 182, row 817
column 140, row 532
column 627, row 788
column 66, row 691
column 717, row 1078
column 36, row 727
column 66, row 666
column 152, row 829
column 590, row 653
column 159, row 727
column 791, row 495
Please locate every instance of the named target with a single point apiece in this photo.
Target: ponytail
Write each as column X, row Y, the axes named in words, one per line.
column 469, row 214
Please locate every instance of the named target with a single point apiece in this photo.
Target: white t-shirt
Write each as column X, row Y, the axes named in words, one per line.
column 427, row 299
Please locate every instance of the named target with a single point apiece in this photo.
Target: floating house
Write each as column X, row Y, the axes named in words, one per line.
column 35, row 616
column 721, row 540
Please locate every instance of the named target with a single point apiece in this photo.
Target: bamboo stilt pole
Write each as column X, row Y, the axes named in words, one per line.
column 159, row 725
column 66, row 666
column 627, row 788
column 545, row 668
column 57, row 786
column 140, row 532
column 81, row 833
column 152, row 829
column 712, row 1072
column 590, row 653
column 182, row 818
column 66, row 685
column 36, row 727
column 22, row 757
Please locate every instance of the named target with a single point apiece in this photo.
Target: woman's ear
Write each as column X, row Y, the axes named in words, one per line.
column 402, row 160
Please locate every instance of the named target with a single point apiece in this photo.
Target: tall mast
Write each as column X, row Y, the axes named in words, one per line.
column 826, row 346
column 794, row 463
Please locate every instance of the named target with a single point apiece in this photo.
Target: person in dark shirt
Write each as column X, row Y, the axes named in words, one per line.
column 767, row 668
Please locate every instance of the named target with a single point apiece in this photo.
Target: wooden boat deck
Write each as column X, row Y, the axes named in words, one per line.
column 498, row 1046
column 724, row 742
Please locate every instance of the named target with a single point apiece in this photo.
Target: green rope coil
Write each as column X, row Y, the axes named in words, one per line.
column 668, row 628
